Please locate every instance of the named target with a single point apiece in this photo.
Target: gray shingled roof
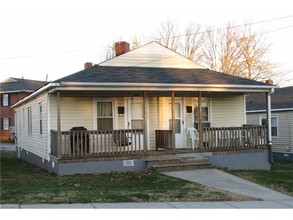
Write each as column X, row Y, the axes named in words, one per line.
column 18, row 84
column 109, row 74
column 282, row 98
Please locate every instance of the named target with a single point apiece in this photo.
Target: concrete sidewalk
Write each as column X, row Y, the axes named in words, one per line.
column 210, row 177
column 276, row 204
column 221, row 180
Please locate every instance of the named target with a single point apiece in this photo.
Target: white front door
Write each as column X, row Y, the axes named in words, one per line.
column 135, row 118
column 179, row 123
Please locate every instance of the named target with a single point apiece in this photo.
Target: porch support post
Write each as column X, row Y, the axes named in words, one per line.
column 269, row 125
column 58, row 126
column 173, row 119
column 145, row 126
column 199, row 120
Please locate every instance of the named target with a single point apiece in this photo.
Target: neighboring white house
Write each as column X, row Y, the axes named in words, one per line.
column 114, row 115
column 282, row 119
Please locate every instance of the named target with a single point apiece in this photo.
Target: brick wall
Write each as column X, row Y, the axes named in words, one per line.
column 8, row 112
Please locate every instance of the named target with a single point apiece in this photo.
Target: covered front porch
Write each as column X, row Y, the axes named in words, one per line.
column 95, row 124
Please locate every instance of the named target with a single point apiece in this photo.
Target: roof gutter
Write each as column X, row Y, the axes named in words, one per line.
column 167, row 86
column 36, row 93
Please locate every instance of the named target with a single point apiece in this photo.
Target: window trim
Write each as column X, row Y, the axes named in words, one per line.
column 272, row 116
column 209, row 110
column 29, row 120
column 95, row 111
column 5, row 100
column 6, row 122
column 41, row 119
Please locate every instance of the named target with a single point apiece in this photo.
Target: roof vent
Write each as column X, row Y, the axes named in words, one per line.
column 121, row 47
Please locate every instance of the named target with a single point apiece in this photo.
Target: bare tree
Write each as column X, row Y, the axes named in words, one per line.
column 167, row 35
column 253, row 63
column 237, row 51
column 192, row 42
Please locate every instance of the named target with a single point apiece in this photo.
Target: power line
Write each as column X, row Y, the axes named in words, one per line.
column 230, row 27
column 178, row 36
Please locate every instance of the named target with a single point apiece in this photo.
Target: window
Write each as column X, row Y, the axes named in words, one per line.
column 41, row 118
column 274, row 121
column 204, row 113
column 136, row 114
column 29, row 120
column 177, row 117
column 5, row 100
column 104, row 115
column 5, row 123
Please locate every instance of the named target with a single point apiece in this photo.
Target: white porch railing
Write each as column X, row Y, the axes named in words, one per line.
column 97, row 143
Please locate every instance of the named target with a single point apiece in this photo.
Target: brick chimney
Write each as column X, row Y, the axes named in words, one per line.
column 121, row 47
column 270, row 81
column 88, row 65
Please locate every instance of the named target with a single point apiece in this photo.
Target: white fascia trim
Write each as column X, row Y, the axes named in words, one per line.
column 36, row 93
column 15, row 91
column 165, row 87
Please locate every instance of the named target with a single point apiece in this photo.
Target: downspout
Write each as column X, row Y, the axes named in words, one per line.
column 269, row 124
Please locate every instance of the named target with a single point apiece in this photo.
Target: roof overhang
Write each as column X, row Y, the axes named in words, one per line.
column 91, row 87
column 78, row 86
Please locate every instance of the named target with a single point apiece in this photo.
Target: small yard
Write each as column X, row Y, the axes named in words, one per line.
column 23, row 183
column 279, row 178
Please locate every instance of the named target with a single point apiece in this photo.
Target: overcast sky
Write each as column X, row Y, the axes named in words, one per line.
column 55, row 38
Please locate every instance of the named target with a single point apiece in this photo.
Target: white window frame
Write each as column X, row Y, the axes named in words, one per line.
column 114, row 116
column 272, row 116
column 6, row 124
column 40, row 119
column 5, row 100
column 29, row 120
column 195, row 100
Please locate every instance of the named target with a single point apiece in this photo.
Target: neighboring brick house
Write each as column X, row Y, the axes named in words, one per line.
column 11, row 91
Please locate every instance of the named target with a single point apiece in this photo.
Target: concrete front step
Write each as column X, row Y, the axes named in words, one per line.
column 181, row 166
column 163, row 164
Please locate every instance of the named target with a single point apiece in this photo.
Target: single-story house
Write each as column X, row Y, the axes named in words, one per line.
column 281, row 118
column 140, row 108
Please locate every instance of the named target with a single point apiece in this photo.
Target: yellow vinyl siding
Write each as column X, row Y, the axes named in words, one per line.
column 75, row 112
column 34, row 142
column 228, row 111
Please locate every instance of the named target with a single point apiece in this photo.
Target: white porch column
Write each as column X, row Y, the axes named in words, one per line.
column 145, row 125
column 199, row 120
column 269, row 124
column 173, row 119
column 58, row 126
